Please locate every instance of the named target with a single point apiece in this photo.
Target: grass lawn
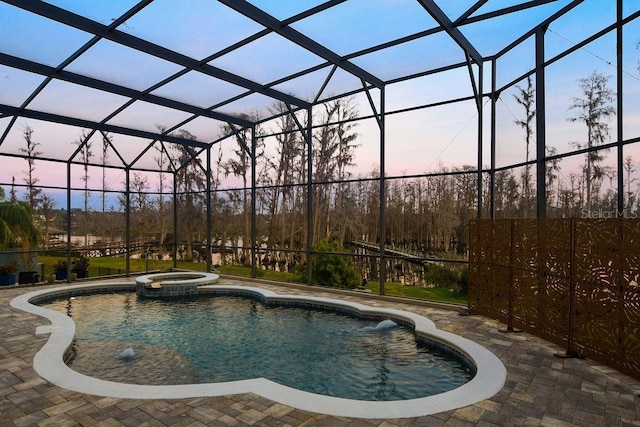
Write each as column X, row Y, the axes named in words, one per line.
column 394, row 289
column 431, row 294
column 113, row 265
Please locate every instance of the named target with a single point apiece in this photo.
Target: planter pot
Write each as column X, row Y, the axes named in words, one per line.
column 7, row 279
column 61, row 275
column 81, row 274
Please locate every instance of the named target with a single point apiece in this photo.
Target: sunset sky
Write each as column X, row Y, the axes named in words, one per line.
column 416, row 142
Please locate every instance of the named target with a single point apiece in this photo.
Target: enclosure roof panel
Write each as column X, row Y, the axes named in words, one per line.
column 356, row 25
column 147, row 69
column 197, row 29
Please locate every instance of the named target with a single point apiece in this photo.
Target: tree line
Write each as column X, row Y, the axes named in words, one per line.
column 426, row 216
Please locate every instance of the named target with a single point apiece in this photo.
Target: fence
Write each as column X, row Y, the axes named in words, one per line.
column 571, row 281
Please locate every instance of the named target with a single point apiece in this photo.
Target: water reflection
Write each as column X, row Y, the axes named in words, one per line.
column 232, row 338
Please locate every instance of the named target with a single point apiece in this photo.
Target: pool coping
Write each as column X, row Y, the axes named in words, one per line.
column 49, row 362
column 169, row 279
column 173, row 284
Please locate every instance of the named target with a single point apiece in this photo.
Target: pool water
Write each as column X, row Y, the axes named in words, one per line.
column 234, row 338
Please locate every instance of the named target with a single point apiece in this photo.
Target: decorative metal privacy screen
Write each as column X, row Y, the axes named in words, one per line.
column 571, row 281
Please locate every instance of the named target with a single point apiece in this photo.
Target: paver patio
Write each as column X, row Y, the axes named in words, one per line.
column 541, row 389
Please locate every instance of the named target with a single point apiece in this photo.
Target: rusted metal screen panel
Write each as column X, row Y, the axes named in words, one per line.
column 479, row 262
column 571, row 281
column 491, row 269
column 540, row 288
column 606, row 317
column 524, row 286
column 629, row 360
column 554, row 277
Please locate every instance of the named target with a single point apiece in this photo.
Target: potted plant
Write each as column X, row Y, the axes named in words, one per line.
column 80, row 266
column 60, row 269
column 8, row 274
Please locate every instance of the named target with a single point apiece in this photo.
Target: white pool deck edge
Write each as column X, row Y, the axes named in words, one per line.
column 49, row 364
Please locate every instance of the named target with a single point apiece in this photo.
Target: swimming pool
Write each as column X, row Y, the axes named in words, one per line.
column 227, row 338
column 488, row 380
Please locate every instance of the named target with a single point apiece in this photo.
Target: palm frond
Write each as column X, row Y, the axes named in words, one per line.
column 16, row 223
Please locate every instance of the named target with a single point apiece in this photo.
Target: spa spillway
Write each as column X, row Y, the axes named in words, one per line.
column 176, row 284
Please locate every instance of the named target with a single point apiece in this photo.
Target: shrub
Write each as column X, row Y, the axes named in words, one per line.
column 61, row 265
column 331, row 269
column 447, row 277
column 81, row 262
column 464, row 281
column 440, row 275
column 8, row 269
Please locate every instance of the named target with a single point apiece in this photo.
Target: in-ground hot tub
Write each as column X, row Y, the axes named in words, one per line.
column 177, row 284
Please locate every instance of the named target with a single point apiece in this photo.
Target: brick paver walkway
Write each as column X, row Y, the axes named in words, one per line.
column 541, row 389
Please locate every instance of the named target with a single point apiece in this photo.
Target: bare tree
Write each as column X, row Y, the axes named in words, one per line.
column 191, row 182
column 370, row 203
column 31, row 152
column 103, row 224
column 506, row 194
column 594, row 109
column 162, row 162
column 346, row 139
column 552, row 169
column 526, row 98
column 333, row 153
column 442, row 210
column 47, row 210
column 288, row 149
column 12, row 193
column 298, row 226
column 218, row 201
column 85, row 154
column 240, row 166
column 630, row 168
column 569, row 198
column 106, row 142
column 140, row 206
column 466, row 185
